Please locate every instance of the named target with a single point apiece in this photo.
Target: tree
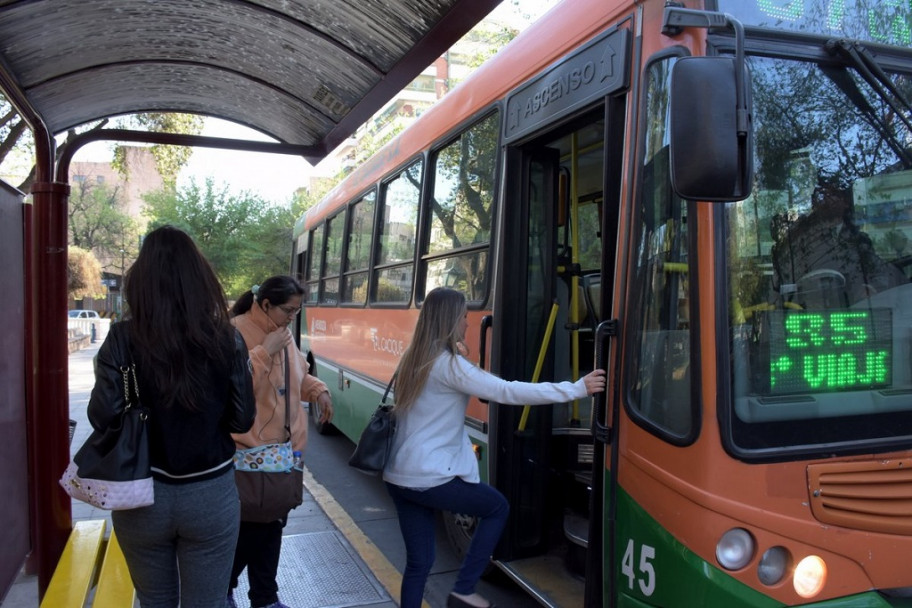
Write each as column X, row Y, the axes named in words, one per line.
column 244, row 237
column 98, row 222
column 17, row 145
column 83, row 274
column 168, row 159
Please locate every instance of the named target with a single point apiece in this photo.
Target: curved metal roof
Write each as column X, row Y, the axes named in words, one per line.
column 305, row 72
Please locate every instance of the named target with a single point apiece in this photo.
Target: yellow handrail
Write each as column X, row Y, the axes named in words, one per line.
column 541, row 361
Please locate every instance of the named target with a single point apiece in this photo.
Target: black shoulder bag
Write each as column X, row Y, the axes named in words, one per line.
column 112, row 469
column 373, row 449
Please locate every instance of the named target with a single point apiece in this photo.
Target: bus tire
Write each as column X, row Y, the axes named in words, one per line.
column 459, row 531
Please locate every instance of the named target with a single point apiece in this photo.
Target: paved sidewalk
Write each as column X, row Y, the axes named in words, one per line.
column 319, row 566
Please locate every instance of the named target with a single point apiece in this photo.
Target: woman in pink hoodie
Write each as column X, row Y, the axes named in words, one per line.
column 263, row 315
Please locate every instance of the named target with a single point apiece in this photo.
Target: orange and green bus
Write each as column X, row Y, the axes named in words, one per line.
column 713, row 202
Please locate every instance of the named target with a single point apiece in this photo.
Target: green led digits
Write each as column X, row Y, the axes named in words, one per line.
column 812, row 351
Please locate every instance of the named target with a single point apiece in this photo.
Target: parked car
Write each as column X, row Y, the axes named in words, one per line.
column 83, row 314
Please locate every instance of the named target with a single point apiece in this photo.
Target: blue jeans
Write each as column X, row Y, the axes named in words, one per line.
column 417, row 521
column 180, row 549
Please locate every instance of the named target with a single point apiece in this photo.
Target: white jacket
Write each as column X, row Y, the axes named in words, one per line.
column 431, row 445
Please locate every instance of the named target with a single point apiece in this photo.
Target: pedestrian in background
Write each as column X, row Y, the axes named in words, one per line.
column 432, row 465
column 263, row 315
column 193, row 377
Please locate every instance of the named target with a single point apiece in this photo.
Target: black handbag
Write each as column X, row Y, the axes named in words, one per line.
column 112, row 469
column 376, row 441
column 268, row 495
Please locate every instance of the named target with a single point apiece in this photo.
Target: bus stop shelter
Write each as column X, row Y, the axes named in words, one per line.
column 307, row 73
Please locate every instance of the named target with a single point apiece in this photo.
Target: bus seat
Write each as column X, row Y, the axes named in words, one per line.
column 592, row 292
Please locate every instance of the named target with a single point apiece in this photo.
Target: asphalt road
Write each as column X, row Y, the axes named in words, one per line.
column 365, row 500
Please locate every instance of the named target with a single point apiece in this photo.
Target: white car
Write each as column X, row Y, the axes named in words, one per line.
column 83, row 314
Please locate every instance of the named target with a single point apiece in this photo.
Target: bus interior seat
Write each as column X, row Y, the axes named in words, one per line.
column 591, row 287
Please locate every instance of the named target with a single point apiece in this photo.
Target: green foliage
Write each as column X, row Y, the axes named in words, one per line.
column 83, row 274
column 168, row 159
column 97, row 221
column 244, row 237
column 17, row 146
column 484, row 40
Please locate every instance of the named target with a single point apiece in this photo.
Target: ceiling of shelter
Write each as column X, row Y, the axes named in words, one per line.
column 305, row 72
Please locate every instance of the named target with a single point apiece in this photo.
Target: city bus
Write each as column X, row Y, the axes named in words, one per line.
column 712, row 201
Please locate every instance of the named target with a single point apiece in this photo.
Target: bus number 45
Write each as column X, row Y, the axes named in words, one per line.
column 646, row 578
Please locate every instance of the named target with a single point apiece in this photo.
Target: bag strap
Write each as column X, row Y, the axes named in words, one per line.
column 388, row 387
column 128, row 371
column 287, row 396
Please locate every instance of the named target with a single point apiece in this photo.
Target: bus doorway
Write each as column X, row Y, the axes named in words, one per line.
column 547, row 308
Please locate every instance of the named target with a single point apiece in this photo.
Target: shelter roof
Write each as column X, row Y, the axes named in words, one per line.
column 305, row 72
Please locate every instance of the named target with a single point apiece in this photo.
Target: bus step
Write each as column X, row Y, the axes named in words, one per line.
column 576, row 529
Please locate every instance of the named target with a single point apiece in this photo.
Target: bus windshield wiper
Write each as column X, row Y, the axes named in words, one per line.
column 867, row 67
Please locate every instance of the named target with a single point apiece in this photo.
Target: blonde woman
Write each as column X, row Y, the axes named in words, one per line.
column 432, row 466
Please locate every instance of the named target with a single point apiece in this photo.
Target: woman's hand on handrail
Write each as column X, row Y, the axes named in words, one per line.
column 595, row 381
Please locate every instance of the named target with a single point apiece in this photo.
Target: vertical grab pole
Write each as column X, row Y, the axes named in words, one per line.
column 541, row 361
column 574, row 279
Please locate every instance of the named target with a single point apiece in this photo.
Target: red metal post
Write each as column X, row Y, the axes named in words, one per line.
column 48, row 415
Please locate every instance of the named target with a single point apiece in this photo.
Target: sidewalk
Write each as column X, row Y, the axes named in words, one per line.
column 319, row 567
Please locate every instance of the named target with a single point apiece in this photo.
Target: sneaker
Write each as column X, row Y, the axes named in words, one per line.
column 229, row 602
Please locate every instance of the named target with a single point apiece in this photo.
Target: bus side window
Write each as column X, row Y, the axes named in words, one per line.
column 358, row 250
column 461, row 211
column 332, row 264
column 660, row 367
column 393, row 278
column 315, row 264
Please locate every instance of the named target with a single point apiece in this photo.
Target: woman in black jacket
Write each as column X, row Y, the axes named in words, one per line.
column 194, row 379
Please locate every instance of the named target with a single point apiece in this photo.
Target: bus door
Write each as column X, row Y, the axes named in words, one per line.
column 549, row 305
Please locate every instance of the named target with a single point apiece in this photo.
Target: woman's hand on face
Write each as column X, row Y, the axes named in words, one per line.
column 277, row 340
column 326, row 406
column 595, row 381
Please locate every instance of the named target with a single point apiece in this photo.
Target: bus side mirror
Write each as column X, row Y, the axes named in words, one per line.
column 711, row 157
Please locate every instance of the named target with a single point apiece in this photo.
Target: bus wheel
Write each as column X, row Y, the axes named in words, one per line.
column 459, row 531
column 323, row 428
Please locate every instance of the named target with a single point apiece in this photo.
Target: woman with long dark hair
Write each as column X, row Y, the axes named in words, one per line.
column 263, row 315
column 432, row 465
column 193, row 377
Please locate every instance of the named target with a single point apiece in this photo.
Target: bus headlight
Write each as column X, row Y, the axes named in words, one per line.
column 735, row 549
column 810, row 576
column 773, row 565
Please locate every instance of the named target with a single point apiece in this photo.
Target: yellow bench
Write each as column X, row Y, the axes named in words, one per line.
column 85, row 554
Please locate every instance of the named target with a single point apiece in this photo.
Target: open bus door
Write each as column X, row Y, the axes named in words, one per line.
column 523, row 459
column 545, row 459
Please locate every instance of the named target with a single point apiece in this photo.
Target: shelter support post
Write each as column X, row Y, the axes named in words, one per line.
column 48, row 414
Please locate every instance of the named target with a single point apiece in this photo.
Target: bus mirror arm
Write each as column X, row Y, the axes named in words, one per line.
column 486, row 322
column 601, row 421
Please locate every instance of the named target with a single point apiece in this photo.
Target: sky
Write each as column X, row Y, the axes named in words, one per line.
column 275, row 177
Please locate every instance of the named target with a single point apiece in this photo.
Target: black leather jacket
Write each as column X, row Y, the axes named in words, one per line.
column 185, row 445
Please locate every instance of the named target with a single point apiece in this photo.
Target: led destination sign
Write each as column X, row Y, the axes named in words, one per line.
column 814, row 351
column 886, row 21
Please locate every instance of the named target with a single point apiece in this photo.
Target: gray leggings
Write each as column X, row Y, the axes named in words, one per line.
column 180, row 549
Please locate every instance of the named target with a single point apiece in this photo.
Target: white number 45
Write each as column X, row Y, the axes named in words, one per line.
column 646, row 578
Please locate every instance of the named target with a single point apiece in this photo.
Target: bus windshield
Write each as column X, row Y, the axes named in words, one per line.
column 820, row 260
